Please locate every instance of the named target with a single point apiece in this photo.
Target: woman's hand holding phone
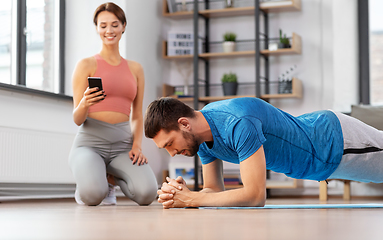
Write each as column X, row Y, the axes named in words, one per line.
column 94, row 93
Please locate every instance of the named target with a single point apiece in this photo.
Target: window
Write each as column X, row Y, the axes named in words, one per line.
column 376, row 51
column 5, row 41
column 31, row 52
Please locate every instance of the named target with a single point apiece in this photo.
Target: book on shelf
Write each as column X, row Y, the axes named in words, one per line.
column 231, row 179
column 172, row 6
column 186, row 5
column 232, row 183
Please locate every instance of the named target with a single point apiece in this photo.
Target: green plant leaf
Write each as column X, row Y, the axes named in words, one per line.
column 229, row 37
column 229, row 77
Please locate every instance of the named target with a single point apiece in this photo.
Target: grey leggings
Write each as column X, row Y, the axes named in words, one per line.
column 363, row 152
column 100, row 148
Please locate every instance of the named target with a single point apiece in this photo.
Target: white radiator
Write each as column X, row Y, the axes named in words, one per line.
column 32, row 162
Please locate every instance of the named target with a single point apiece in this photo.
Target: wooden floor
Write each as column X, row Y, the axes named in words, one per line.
column 64, row 219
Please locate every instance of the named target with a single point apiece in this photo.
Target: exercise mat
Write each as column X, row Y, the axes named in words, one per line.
column 305, row 206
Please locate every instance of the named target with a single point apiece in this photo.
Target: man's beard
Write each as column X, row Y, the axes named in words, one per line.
column 192, row 143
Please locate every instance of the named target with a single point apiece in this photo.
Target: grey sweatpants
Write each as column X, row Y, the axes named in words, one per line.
column 363, row 152
column 100, row 148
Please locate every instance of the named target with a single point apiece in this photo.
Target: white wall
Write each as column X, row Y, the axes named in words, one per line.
column 34, row 112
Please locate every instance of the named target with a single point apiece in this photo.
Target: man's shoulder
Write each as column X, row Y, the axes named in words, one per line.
column 232, row 104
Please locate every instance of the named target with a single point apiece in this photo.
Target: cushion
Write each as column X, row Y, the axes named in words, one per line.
column 371, row 115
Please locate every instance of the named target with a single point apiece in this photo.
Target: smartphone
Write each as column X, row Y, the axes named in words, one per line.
column 95, row 82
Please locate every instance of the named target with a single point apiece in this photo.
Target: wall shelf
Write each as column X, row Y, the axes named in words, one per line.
column 227, row 55
column 219, row 98
column 281, row 6
column 258, row 54
column 228, row 12
column 168, row 91
column 297, row 92
column 175, row 15
column 296, row 48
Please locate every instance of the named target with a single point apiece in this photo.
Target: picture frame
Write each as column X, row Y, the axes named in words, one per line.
column 183, row 169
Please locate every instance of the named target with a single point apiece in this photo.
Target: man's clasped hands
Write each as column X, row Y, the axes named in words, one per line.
column 175, row 194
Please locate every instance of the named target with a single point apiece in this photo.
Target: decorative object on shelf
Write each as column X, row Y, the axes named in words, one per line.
column 179, row 93
column 172, row 6
column 284, row 42
column 273, row 46
column 284, row 85
column 229, row 84
column 229, row 3
column 229, row 42
column 184, row 168
column 285, row 81
column 183, row 6
column 181, row 43
column 185, row 68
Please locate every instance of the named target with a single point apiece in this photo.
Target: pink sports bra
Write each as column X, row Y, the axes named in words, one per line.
column 119, row 85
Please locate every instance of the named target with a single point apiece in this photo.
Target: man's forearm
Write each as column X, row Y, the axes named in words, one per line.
column 231, row 198
column 210, row 190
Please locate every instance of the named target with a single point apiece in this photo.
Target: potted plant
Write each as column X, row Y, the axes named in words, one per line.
column 284, row 42
column 229, row 41
column 229, row 84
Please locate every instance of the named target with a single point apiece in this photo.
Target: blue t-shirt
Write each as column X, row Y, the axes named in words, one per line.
column 309, row 146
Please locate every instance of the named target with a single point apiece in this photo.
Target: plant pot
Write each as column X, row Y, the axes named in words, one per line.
column 283, row 45
column 230, row 88
column 228, row 46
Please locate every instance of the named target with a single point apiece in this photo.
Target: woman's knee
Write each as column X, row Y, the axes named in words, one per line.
column 145, row 197
column 143, row 193
column 93, row 196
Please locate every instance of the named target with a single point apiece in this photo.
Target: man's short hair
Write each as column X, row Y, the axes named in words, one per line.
column 163, row 114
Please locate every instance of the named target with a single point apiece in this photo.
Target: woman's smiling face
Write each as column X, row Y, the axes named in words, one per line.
column 109, row 27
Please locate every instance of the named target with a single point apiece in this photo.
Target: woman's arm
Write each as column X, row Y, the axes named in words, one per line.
column 137, row 115
column 83, row 97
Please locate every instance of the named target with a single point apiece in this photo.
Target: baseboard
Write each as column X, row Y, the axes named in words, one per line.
column 22, row 191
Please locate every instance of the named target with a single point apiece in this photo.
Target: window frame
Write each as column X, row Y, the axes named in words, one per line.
column 21, row 51
column 364, row 52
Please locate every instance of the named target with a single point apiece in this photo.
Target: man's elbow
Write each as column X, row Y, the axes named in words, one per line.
column 261, row 203
column 258, row 200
